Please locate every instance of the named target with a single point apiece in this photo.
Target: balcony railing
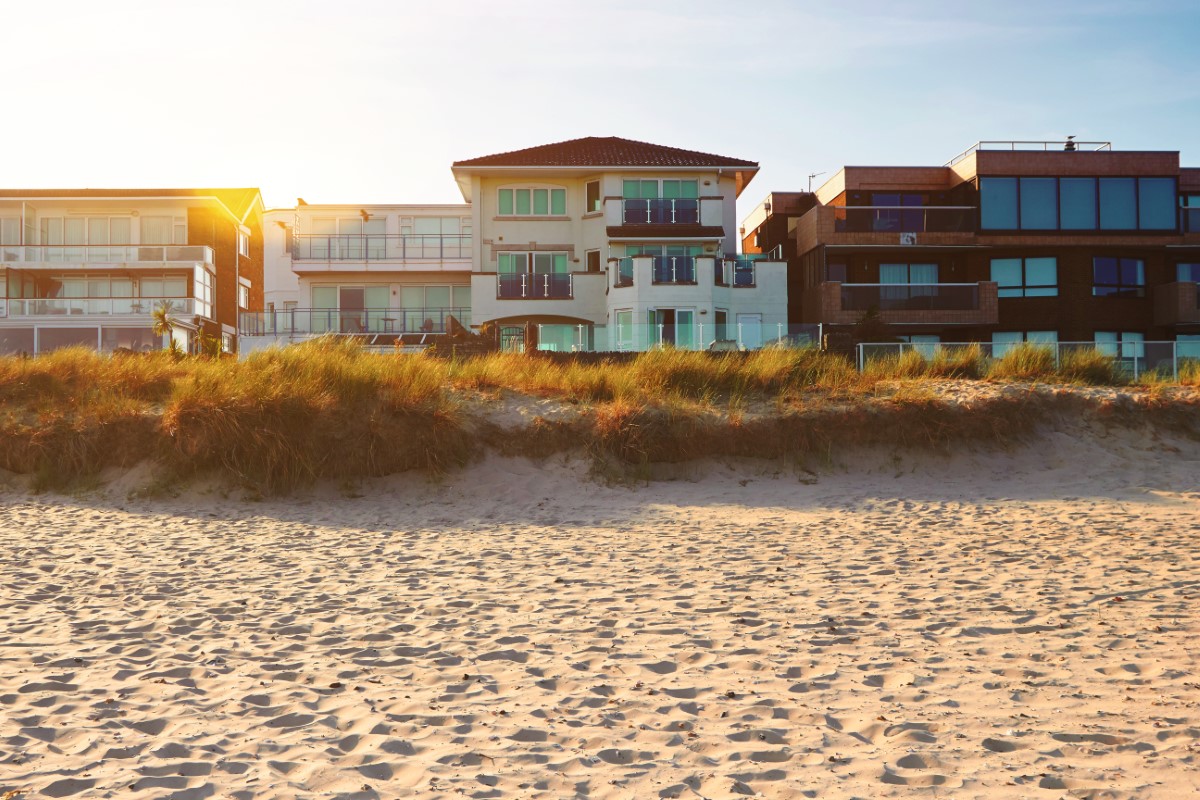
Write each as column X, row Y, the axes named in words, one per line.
column 738, row 273
column 381, row 247
column 674, row 269
column 661, row 211
column 1047, row 146
column 909, row 219
column 910, row 296
column 148, row 255
column 333, row 320
column 108, row 306
column 533, row 286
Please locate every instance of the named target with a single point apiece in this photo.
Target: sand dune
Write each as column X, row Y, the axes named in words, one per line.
column 997, row 625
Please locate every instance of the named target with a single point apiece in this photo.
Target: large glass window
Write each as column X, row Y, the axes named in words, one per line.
column 1039, row 204
column 1121, row 344
column 1156, row 204
column 998, row 204
column 1118, row 277
column 1187, row 272
column 1026, row 277
column 1077, row 204
column 1003, row 341
column 1118, row 204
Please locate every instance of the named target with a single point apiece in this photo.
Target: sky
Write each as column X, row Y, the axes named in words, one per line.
column 371, row 102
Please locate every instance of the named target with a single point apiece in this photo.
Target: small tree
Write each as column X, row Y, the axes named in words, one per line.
column 163, row 324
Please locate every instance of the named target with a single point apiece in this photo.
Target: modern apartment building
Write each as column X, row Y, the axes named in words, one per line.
column 89, row 267
column 1006, row 242
column 397, row 273
column 613, row 244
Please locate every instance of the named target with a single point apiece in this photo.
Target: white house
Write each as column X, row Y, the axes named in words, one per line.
column 614, row 244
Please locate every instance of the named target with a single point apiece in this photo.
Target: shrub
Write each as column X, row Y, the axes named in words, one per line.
column 1024, row 362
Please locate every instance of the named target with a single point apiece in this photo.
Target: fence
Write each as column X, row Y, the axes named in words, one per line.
column 1132, row 358
column 735, row 335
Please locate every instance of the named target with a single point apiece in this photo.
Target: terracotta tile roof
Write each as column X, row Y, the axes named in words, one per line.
column 605, row 151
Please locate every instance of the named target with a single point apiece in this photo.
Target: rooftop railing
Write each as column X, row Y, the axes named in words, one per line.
column 910, row 296
column 303, row 321
column 129, row 254
column 908, row 219
column 661, row 211
column 1019, row 144
column 381, row 247
column 532, row 286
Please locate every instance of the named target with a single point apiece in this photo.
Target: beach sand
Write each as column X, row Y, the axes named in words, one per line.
column 997, row 624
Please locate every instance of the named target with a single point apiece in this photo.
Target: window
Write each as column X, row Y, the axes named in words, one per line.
column 243, row 296
column 592, row 260
column 1121, row 344
column 1077, row 204
column 592, row 197
column 1118, row 277
column 202, row 292
column 1039, row 204
column 721, row 322
column 908, row 273
column 537, row 263
column 1187, row 345
column 1190, row 212
column 243, row 243
column 624, row 330
column 998, row 204
column 532, row 202
column 1026, row 277
column 667, row 189
column 664, row 250
column 1187, row 273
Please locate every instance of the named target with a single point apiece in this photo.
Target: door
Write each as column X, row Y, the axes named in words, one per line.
column 749, row 331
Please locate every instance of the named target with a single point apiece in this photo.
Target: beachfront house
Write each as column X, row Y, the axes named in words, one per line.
column 395, row 274
column 604, row 243
column 1007, row 242
column 89, row 267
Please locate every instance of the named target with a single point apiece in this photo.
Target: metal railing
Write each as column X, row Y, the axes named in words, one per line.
column 1131, row 359
column 69, row 306
column 379, row 247
column 623, row 274
column 534, row 286
column 304, row 321
column 738, row 273
column 674, row 269
column 1018, row 144
column 910, row 296
column 732, row 335
column 909, row 219
column 154, row 255
column 661, row 211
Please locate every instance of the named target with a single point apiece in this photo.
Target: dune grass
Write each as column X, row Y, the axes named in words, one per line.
column 283, row 418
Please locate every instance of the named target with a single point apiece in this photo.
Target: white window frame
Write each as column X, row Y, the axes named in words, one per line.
column 550, row 189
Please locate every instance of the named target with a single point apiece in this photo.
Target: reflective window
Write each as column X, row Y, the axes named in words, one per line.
column 1026, row 277
column 1039, row 204
column 1077, row 204
column 1156, row 204
column 1188, row 272
column 1118, row 277
column 998, row 204
column 1118, row 204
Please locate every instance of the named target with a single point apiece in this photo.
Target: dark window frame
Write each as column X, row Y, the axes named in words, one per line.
column 1025, row 285
column 1119, row 288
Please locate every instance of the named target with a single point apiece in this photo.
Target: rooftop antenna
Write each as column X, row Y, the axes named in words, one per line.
column 810, row 177
column 1070, row 145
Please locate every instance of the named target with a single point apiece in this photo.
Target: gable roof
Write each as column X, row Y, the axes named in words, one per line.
column 605, row 151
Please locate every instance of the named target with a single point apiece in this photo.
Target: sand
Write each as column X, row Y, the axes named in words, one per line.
column 998, row 625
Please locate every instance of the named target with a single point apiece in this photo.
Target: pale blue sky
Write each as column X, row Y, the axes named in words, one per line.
column 371, row 101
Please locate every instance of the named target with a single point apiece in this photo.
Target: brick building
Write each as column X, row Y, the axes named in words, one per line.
column 1006, row 242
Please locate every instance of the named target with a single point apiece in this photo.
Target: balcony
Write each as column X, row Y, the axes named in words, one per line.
column 674, row 269
column 906, row 219
column 736, row 273
column 417, row 246
column 661, row 211
column 533, row 286
column 904, row 304
column 108, row 257
column 315, row 321
column 1177, row 303
column 101, row 306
